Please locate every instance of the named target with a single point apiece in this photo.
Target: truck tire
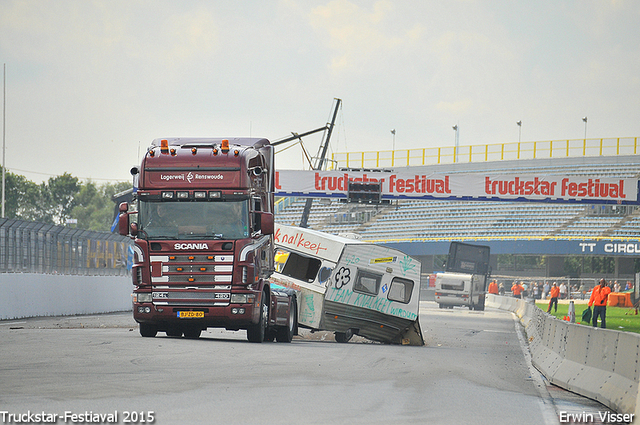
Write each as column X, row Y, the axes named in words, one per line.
column 480, row 306
column 192, row 332
column 257, row 332
column 147, row 330
column 174, row 332
column 285, row 333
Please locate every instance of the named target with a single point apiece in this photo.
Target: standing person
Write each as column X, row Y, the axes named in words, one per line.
column 501, row 288
column 563, row 291
column 599, row 296
column 545, row 290
column 517, row 290
column 493, row 287
column 553, row 294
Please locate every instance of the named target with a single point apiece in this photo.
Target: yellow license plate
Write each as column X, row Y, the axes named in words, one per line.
column 190, row 314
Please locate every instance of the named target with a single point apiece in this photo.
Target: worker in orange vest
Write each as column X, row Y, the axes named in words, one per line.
column 517, row 290
column 599, row 296
column 553, row 294
column 493, row 287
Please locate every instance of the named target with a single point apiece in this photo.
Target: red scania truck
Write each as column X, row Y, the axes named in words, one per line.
column 202, row 224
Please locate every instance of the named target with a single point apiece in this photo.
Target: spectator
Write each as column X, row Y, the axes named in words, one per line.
column 493, row 288
column 545, row 291
column 501, row 288
column 582, row 290
column 517, row 290
column 599, row 296
column 553, row 294
column 616, row 286
column 563, row 291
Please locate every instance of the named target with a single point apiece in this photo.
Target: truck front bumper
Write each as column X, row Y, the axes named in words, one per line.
column 232, row 316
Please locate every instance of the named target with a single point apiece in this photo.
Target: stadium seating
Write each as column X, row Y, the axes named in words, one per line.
column 445, row 219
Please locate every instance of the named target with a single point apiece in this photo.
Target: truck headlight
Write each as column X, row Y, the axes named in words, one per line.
column 242, row 298
column 144, row 297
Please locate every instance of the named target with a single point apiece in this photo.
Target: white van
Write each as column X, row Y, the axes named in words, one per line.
column 348, row 286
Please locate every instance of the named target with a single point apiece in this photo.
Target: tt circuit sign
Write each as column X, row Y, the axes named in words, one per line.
column 511, row 187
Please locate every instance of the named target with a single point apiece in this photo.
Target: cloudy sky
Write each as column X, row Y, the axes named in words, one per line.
column 89, row 84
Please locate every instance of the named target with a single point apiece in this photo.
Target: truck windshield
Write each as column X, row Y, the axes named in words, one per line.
column 194, row 220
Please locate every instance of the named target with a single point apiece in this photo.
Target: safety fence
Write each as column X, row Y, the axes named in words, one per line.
column 31, row 247
column 485, row 153
column 601, row 364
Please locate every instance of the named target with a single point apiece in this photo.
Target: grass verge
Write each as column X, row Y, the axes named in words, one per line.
column 618, row 318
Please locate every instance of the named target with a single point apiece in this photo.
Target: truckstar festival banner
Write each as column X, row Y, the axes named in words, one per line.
column 478, row 186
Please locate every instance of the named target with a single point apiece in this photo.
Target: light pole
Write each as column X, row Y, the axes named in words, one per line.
column 519, row 130
column 457, row 140
column 4, row 125
column 585, row 128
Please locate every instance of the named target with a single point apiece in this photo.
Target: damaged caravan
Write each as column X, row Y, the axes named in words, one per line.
column 349, row 287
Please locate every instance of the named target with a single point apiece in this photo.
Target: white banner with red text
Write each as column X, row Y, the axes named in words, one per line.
column 477, row 186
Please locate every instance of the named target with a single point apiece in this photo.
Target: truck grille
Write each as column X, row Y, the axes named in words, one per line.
column 191, row 280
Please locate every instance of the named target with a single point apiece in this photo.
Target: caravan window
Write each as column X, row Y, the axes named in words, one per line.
column 367, row 283
column 400, row 290
column 297, row 266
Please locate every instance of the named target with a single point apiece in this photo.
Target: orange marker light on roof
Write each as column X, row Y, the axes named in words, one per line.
column 225, row 146
column 164, row 146
column 194, row 150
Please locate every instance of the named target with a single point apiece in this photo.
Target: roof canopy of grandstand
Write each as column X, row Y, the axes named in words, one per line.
column 519, row 224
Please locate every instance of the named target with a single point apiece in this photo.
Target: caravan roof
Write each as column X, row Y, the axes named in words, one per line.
column 319, row 244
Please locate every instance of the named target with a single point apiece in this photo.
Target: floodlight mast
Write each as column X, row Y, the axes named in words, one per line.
column 322, row 151
column 320, row 161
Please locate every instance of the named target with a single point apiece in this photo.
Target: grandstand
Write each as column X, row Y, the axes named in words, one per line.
column 408, row 220
column 425, row 227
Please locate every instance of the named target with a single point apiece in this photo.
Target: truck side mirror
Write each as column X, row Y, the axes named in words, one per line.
column 123, row 222
column 266, row 223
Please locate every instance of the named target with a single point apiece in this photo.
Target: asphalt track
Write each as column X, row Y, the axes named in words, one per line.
column 474, row 369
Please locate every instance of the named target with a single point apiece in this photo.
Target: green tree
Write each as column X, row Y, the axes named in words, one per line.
column 94, row 207
column 23, row 198
column 59, row 196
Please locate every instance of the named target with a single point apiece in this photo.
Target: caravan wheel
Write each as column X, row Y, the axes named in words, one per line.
column 343, row 337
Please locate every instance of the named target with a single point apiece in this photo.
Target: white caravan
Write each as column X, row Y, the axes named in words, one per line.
column 349, row 287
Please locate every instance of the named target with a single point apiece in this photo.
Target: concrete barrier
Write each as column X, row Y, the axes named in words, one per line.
column 601, row 364
column 33, row 295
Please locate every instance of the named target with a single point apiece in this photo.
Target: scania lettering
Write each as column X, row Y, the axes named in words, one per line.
column 191, row 246
column 202, row 224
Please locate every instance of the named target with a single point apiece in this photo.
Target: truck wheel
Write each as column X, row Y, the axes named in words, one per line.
column 174, row 332
column 480, row 307
column 257, row 332
column 192, row 332
column 147, row 330
column 285, row 333
column 343, row 337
